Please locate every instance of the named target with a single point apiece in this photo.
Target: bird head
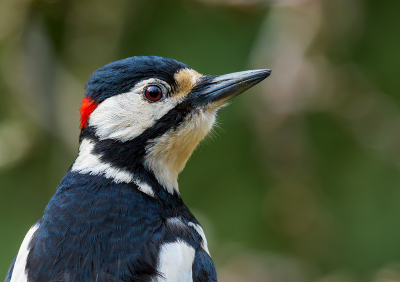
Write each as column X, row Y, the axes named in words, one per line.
column 142, row 117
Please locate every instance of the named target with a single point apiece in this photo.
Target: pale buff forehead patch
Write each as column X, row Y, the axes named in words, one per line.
column 185, row 79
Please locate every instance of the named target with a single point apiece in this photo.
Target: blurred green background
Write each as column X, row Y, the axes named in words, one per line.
column 299, row 182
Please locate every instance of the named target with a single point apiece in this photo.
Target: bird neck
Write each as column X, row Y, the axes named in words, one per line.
column 128, row 162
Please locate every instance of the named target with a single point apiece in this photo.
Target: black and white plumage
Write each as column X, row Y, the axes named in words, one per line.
column 117, row 214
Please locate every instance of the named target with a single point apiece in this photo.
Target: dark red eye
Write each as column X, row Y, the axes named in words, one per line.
column 153, row 93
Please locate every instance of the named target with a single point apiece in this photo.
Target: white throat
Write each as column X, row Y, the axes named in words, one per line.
column 167, row 155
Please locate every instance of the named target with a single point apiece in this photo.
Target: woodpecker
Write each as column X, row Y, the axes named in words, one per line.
column 117, row 215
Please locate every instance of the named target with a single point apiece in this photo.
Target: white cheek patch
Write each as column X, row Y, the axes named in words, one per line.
column 200, row 231
column 19, row 272
column 125, row 116
column 89, row 163
column 168, row 154
column 175, row 262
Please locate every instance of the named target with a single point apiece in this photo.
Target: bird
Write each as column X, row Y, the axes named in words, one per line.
column 117, row 214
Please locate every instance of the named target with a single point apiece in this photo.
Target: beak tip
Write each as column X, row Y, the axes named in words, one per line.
column 260, row 74
column 266, row 72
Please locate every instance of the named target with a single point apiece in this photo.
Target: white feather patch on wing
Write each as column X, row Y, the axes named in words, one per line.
column 19, row 272
column 168, row 154
column 90, row 163
column 125, row 116
column 199, row 230
column 175, row 262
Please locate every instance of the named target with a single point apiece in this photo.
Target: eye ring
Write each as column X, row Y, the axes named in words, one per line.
column 153, row 93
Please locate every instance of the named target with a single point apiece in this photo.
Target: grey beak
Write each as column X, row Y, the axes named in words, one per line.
column 222, row 88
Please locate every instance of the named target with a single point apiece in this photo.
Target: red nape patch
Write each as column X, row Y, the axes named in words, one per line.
column 88, row 106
